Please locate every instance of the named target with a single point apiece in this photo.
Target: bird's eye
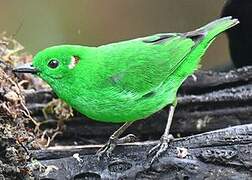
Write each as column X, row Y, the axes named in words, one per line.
column 53, row 63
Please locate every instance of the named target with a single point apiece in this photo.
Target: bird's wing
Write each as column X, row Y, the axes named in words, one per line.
column 139, row 66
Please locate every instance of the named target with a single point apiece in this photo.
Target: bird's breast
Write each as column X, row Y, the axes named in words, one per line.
column 109, row 105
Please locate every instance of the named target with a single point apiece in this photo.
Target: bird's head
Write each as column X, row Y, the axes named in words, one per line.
column 55, row 62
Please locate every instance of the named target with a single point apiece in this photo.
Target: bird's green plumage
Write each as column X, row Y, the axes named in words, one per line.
column 129, row 80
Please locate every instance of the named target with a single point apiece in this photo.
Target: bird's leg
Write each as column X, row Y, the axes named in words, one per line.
column 165, row 139
column 114, row 140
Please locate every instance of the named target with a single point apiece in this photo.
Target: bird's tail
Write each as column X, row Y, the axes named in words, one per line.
column 218, row 26
column 208, row 34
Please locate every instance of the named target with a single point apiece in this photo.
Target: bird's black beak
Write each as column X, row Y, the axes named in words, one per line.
column 26, row 68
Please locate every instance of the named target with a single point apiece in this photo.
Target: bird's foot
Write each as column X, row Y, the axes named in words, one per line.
column 111, row 144
column 161, row 147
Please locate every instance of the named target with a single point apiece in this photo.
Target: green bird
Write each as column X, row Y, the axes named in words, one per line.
column 126, row 81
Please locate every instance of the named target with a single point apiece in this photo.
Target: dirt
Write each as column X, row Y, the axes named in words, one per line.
column 19, row 131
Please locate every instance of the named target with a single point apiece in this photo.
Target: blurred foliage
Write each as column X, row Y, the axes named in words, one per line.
column 39, row 24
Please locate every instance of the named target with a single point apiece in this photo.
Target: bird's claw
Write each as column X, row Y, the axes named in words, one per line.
column 106, row 149
column 112, row 143
column 127, row 139
column 160, row 147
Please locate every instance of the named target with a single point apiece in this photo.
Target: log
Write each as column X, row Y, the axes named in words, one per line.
column 220, row 154
column 207, row 81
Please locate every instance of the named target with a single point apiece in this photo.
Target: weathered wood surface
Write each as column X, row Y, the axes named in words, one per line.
column 221, row 154
column 210, row 80
column 213, row 101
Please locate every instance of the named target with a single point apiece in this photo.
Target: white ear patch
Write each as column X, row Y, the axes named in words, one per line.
column 73, row 62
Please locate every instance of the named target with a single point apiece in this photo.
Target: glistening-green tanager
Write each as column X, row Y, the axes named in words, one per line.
column 126, row 81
